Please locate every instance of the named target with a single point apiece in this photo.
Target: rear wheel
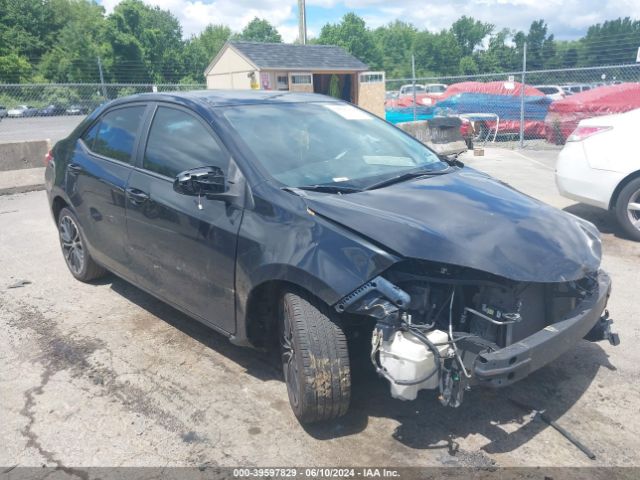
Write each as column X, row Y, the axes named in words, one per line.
column 315, row 359
column 74, row 248
column 627, row 209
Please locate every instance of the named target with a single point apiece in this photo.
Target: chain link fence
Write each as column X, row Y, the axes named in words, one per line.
column 492, row 105
column 49, row 99
column 551, row 103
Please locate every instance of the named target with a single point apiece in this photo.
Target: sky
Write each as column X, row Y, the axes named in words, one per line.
column 567, row 19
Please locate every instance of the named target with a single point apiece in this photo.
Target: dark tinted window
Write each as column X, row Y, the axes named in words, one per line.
column 177, row 142
column 116, row 133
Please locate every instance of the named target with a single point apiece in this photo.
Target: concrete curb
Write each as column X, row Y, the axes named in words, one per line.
column 20, row 155
column 20, row 181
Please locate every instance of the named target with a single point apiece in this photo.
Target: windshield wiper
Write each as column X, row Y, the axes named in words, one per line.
column 330, row 188
column 408, row 176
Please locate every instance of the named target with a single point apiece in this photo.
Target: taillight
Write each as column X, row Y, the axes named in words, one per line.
column 582, row 133
column 48, row 158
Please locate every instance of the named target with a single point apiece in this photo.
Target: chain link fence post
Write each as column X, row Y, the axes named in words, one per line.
column 524, row 83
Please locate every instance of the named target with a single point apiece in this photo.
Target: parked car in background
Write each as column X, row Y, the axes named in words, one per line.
column 22, row 111
column 435, row 89
column 408, row 89
column 563, row 115
column 3, row 111
column 554, row 92
column 598, row 166
column 572, row 89
column 287, row 221
column 51, row 110
column 77, row 110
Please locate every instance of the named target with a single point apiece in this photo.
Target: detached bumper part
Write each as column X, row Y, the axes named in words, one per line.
column 512, row 363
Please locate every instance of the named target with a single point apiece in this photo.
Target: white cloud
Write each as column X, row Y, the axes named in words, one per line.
column 195, row 15
column 566, row 18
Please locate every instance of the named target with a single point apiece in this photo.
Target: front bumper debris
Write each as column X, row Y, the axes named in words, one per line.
column 512, row 363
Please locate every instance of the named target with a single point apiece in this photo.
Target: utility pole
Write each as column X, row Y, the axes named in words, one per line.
column 302, row 22
column 524, row 77
column 413, row 83
column 104, row 88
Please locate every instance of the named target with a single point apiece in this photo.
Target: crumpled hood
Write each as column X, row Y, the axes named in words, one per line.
column 469, row 219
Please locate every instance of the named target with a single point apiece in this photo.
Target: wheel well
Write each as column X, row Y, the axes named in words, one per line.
column 621, row 185
column 57, row 206
column 262, row 312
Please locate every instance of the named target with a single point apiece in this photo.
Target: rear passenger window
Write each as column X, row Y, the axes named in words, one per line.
column 177, row 142
column 116, row 133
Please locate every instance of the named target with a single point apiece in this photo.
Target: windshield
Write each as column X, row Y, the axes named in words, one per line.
column 304, row 144
column 436, row 88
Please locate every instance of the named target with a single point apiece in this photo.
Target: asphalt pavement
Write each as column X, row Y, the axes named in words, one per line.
column 104, row 374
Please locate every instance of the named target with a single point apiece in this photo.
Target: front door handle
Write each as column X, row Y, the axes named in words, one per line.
column 137, row 196
column 75, row 168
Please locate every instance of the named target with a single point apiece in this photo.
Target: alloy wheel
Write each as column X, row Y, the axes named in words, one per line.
column 71, row 242
column 633, row 209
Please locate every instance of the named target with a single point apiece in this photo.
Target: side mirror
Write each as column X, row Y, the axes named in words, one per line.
column 202, row 181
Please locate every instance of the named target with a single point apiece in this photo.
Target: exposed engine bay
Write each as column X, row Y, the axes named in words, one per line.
column 437, row 325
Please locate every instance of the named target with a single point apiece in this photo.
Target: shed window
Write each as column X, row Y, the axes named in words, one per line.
column 301, row 79
column 372, row 77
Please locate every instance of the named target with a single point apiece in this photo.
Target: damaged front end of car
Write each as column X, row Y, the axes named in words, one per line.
column 448, row 328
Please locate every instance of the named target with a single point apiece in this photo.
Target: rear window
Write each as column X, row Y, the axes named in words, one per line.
column 548, row 90
column 114, row 135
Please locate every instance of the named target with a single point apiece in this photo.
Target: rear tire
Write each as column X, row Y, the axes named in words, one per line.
column 315, row 359
column 627, row 209
column 74, row 248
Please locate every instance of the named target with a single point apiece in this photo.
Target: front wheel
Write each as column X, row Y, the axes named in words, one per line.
column 315, row 359
column 627, row 209
column 74, row 248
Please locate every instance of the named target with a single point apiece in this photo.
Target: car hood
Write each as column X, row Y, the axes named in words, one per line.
column 467, row 218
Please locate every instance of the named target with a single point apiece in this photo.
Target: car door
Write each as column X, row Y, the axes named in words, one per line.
column 182, row 247
column 96, row 178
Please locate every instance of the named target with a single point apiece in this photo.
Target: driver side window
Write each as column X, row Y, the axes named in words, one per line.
column 177, row 142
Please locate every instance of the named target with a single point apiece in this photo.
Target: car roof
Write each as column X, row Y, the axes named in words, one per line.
column 222, row 98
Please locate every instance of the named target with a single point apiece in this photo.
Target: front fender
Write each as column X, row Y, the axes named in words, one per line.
column 286, row 242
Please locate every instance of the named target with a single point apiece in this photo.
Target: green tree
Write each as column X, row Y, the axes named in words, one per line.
column 146, row 43
column 395, row 43
column 468, row 66
column 470, row 33
column 14, row 68
column 500, row 54
column 29, row 27
column 201, row 49
column 611, row 42
column 353, row 35
column 536, row 40
column 73, row 57
column 260, row 30
column 437, row 53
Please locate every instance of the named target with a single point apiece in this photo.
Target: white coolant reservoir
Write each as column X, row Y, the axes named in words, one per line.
column 405, row 358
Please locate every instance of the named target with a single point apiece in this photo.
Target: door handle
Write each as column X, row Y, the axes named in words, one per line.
column 137, row 196
column 75, row 168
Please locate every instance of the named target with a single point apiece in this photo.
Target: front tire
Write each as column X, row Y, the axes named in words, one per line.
column 627, row 209
column 74, row 248
column 315, row 359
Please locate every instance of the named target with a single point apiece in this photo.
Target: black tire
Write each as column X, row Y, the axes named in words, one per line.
column 629, row 219
column 315, row 359
column 74, row 248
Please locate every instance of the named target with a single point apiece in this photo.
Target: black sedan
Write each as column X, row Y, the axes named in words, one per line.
column 51, row 111
column 290, row 221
